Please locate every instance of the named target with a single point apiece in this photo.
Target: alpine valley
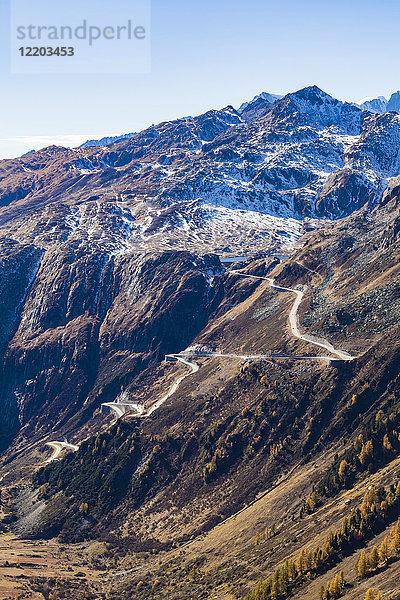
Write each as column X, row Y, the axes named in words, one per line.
column 200, row 358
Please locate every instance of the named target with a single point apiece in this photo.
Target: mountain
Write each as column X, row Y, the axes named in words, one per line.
column 83, row 316
column 288, row 160
column 107, row 141
column 271, row 98
column 375, row 105
column 394, row 102
column 256, row 109
column 280, row 444
column 75, row 222
column 200, row 345
column 380, row 104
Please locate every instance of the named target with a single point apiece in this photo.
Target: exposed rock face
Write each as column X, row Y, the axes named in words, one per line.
column 313, row 107
column 271, row 98
column 378, row 149
column 18, row 266
column 344, row 188
column 107, row 141
column 256, row 109
column 87, row 313
column 392, row 193
column 394, row 102
column 392, row 234
column 375, row 105
column 381, row 105
column 391, row 202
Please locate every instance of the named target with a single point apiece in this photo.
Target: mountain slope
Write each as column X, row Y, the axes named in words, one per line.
column 374, row 105
column 236, row 429
column 107, row 267
column 90, row 323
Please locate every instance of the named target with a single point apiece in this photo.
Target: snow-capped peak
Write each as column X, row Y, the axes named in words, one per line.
column 371, row 99
column 394, row 102
column 376, row 105
column 318, row 108
column 263, row 96
column 314, row 95
column 107, row 141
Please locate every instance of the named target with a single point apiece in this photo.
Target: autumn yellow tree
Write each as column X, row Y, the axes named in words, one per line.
column 396, row 537
column 373, row 559
column 361, row 566
column 334, row 588
column 375, row 595
column 386, row 443
column 343, row 468
column 384, row 551
column 367, row 452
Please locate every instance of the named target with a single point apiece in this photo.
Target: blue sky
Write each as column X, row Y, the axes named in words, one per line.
column 206, row 55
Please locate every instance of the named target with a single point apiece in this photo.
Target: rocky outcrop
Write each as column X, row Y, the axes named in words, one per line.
column 378, row 149
column 391, row 235
column 343, row 192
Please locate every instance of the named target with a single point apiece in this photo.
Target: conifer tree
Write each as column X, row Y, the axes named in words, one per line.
column 373, row 559
column 361, row 566
column 384, row 553
column 396, row 537
column 343, row 468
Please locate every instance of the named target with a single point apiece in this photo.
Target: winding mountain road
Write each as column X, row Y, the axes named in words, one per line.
column 293, row 319
column 200, row 354
column 133, row 410
column 58, row 447
column 122, row 408
column 193, row 369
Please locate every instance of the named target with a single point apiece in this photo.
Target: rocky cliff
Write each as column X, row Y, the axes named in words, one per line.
column 84, row 323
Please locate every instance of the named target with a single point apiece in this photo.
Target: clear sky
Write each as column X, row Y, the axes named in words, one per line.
column 208, row 54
